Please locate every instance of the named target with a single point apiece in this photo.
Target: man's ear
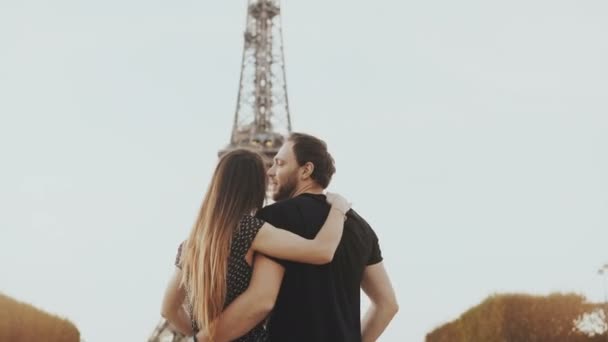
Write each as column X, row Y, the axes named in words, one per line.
column 307, row 170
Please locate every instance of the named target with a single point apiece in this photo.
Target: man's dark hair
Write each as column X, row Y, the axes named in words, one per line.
column 310, row 149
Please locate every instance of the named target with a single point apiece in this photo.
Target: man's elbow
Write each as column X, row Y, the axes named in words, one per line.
column 265, row 305
column 389, row 307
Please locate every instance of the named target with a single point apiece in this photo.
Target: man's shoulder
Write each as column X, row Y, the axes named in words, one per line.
column 359, row 230
column 356, row 223
column 354, row 218
column 278, row 213
column 289, row 213
column 289, row 204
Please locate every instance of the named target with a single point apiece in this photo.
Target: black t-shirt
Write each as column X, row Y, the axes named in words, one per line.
column 321, row 303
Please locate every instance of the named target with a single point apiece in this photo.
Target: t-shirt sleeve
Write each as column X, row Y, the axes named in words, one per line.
column 178, row 257
column 376, row 254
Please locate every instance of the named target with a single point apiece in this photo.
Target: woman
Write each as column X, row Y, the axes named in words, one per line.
column 215, row 263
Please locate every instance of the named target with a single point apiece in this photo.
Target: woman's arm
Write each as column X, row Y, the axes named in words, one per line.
column 172, row 308
column 283, row 244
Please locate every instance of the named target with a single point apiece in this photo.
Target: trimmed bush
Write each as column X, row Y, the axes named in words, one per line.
column 23, row 322
column 518, row 318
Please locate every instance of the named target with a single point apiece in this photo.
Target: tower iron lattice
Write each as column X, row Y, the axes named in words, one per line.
column 262, row 118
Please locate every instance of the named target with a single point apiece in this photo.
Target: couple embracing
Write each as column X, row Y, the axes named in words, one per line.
column 288, row 272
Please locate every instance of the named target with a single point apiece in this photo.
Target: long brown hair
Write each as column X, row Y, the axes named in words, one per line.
column 237, row 188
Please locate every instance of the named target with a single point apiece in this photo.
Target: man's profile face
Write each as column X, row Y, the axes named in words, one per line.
column 283, row 175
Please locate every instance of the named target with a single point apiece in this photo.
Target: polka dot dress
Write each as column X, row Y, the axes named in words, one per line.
column 239, row 271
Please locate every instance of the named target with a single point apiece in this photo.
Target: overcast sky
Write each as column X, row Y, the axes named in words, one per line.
column 470, row 134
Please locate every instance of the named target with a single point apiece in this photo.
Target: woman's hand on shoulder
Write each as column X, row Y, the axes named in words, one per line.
column 338, row 202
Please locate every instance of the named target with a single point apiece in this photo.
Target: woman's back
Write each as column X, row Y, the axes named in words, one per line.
column 239, row 271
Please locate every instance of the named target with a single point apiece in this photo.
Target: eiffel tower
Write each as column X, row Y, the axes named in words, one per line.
column 261, row 119
column 262, row 115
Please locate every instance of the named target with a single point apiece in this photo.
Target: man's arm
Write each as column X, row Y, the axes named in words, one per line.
column 377, row 286
column 172, row 308
column 253, row 305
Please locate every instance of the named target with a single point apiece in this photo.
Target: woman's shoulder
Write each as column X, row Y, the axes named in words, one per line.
column 250, row 222
column 245, row 233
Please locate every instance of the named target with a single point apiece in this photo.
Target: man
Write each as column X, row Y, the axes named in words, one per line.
column 314, row 303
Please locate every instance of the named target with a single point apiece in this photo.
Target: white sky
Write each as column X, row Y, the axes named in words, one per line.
column 471, row 135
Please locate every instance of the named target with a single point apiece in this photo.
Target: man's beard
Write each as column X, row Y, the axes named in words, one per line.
column 286, row 190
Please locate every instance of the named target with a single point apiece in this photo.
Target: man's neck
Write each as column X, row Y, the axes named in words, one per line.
column 308, row 189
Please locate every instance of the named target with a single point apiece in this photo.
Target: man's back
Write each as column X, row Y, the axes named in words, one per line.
column 321, row 303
